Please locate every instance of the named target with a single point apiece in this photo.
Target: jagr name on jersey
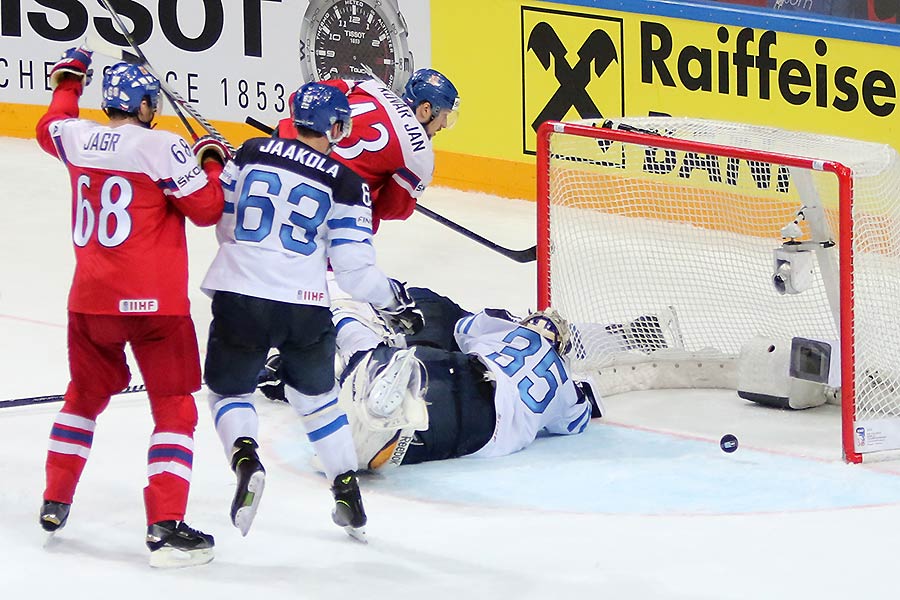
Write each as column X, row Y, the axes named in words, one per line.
column 105, row 141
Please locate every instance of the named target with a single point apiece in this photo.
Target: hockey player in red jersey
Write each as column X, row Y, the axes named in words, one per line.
column 132, row 188
column 390, row 145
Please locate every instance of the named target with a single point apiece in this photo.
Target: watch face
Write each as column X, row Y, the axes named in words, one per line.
column 343, row 37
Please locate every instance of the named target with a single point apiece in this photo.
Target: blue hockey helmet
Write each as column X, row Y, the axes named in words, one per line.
column 125, row 85
column 428, row 85
column 317, row 106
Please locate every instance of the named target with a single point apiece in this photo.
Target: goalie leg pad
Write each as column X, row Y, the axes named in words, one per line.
column 384, row 400
column 403, row 376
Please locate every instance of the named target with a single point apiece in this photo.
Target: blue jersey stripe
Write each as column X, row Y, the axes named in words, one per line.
column 409, row 177
column 345, row 321
column 323, row 407
column 321, row 432
column 170, row 453
column 347, row 223
column 344, row 241
column 583, row 419
column 75, row 436
column 231, row 406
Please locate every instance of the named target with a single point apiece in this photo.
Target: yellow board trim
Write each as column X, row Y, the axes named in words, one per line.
column 19, row 120
column 507, row 178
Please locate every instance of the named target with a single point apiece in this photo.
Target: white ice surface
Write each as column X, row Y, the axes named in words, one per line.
column 642, row 506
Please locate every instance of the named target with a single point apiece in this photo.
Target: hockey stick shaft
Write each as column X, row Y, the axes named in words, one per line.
column 58, row 397
column 259, row 125
column 521, row 256
column 177, row 101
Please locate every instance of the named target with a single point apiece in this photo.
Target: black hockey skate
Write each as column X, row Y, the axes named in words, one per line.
column 348, row 507
column 173, row 544
column 54, row 515
column 251, row 480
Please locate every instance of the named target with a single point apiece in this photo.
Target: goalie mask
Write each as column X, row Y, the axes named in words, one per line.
column 552, row 327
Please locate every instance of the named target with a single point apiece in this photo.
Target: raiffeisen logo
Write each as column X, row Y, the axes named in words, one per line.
column 751, row 64
column 572, row 68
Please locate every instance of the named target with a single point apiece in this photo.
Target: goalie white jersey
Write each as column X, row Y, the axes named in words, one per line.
column 534, row 391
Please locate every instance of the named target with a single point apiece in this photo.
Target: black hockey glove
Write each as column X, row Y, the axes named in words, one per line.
column 402, row 313
column 270, row 382
column 586, row 393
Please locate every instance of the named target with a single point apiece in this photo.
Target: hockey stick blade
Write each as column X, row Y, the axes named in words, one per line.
column 58, row 397
column 520, row 256
column 100, row 46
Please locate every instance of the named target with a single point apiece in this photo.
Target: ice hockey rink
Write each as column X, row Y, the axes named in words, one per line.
column 643, row 505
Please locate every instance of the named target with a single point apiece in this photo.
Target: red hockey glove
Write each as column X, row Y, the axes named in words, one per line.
column 208, row 147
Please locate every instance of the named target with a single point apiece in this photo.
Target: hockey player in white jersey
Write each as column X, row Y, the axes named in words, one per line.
column 290, row 210
column 478, row 385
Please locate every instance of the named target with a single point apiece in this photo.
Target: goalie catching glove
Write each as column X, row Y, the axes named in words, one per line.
column 75, row 62
column 209, row 148
column 402, row 313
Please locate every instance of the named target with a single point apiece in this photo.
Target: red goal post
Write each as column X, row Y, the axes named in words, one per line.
column 679, row 222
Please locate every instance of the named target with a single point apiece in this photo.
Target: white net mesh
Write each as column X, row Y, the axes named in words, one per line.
column 640, row 233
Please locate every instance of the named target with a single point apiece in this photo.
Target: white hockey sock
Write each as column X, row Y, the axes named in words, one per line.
column 235, row 417
column 327, row 428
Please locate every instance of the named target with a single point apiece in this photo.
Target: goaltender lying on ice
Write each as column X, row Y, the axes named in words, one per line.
column 481, row 384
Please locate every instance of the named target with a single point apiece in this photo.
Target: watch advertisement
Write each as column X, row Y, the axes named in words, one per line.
column 229, row 59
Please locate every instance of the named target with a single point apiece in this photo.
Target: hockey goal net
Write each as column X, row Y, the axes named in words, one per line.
column 659, row 238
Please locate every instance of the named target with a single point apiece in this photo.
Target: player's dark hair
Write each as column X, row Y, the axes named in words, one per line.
column 307, row 132
column 115, row 113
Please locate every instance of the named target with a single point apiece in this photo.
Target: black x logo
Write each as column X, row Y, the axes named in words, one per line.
column 598, row 49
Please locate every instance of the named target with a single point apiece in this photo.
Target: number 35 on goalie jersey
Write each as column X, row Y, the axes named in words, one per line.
column 534, row 391
column 288, row 210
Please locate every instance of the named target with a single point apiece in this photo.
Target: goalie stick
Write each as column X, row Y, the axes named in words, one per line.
column 520, row 256
column 59, row 397
column 175, row 99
